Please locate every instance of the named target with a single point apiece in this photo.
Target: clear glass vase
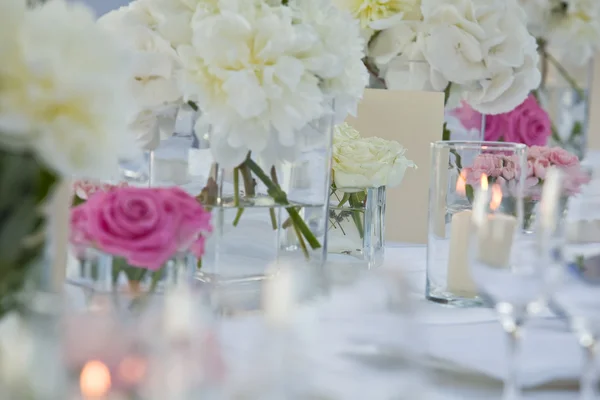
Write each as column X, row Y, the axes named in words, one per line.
column 565, row 94
column 108, row 281
column 357, row 225
column 450, row 208
column 264, row 214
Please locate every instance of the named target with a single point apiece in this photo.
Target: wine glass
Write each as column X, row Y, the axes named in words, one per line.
column 577, row 292
column 505, row 263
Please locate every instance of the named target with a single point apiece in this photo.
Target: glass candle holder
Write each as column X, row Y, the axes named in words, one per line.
column 457, row 170
column 356, row 224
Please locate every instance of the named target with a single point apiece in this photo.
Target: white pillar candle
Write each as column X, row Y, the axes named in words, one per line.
column 495, row 241
column 459, row 277
column 279, row 297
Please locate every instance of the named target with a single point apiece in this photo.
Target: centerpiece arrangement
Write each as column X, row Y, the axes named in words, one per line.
column 362, row 170
column 131, row 240
column 267, row 108
column 476, row 50
column 568, row 35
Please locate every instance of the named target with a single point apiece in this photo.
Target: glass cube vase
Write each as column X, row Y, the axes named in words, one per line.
column 265, row 212
column 565, row 93
column 450, row 207
column 108, row 281
column 357, row 225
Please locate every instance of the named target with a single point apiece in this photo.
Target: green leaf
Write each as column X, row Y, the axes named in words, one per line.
column 344, row 199
column 577, row 130
column 470, row 193
column 446, row 132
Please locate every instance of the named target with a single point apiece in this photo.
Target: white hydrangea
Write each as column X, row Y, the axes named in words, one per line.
column 481, row 46
column 64, row 88
column 570, row 28
column 575, row 32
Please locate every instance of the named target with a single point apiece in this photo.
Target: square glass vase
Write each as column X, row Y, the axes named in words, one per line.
column 108, row 281
column 264, row 212
column 449, row 279
column 357, row 226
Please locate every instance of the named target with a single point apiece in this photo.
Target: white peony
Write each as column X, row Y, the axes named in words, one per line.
column 260, row 72
column 369, row 11
column 344, row 76
column 64, row 89
column 154, row 76
column 367, row 162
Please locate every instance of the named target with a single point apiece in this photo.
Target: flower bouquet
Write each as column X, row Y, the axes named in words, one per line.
column 502, row 170
column 64, row 109
column 267, row 108
column 362, row 170
column 131, row 240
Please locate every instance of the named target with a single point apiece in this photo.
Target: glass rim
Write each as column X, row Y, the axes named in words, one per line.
column 476, row 144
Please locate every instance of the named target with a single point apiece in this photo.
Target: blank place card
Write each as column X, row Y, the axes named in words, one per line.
column 415, row 119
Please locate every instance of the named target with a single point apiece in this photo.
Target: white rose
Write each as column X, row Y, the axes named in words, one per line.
column 368, row 162
column 344, row 132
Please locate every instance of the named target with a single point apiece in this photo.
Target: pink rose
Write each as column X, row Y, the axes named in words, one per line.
column 528, row 123
column 495, row 128
column 489, row 164
column 562, row 158
column 469, row 118
column 510, row 170
column 535, row 152
column 540, row 167
column 574, row 178
column 145, row 226
column 195, row 220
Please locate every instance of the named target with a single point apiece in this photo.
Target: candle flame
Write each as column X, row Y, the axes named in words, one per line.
column 461, row 184
column 484, row 182
column 496, row 197
column 95, row 379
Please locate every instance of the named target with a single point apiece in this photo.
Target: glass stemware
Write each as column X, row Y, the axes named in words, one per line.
column 504, row 262
column 577, row 292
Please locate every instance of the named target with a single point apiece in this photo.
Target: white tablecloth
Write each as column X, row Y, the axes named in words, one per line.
column 360, row 346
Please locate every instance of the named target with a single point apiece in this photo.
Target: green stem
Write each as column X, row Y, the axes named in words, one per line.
column 236, row 187
column 565, row 74
column 238, row 215
column 356, row 214
column 447, row 94
column 301, row 241
column 273, row 218
column 281, row 198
